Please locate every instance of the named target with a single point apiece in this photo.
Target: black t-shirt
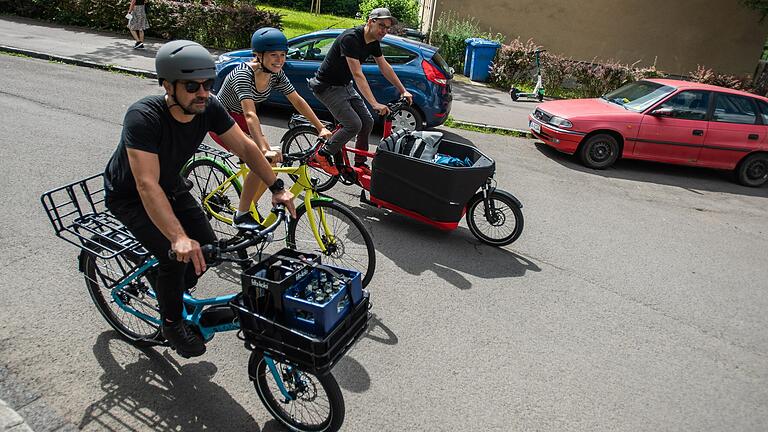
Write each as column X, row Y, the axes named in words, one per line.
column 149, row 126
column 334, row 70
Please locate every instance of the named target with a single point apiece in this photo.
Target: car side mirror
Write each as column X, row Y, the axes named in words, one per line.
column 662, row 112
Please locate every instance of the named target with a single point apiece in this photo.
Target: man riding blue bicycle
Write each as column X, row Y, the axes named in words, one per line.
column 333, row 86
column 146, row 193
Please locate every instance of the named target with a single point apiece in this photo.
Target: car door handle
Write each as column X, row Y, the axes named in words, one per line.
column 698, row 132
column 753, row 136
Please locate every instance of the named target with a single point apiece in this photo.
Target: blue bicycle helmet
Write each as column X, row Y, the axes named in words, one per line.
column 268, row 39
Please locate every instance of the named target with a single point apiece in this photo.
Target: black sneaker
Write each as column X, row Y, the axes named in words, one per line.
column 140, row 45
column 183, row 339
column 246, row 222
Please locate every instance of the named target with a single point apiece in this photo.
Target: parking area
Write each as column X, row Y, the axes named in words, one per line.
column 634, row 300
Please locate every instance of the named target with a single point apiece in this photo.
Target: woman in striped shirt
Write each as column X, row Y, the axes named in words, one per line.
column 250, row 84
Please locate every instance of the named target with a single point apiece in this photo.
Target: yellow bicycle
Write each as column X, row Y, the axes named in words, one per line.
column 321, row 225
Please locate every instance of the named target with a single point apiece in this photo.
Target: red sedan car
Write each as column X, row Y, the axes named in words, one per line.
column 662, row 120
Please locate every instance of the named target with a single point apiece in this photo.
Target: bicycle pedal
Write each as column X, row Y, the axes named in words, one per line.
column 347, row 175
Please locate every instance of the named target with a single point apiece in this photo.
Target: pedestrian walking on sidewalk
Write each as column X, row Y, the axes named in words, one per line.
column 137, row 22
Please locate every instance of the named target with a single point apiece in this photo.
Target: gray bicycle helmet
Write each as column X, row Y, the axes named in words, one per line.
column 184, row 60
column 268, row 39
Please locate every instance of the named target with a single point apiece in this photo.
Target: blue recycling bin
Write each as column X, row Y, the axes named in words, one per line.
column 468, row 55
column 480, row 53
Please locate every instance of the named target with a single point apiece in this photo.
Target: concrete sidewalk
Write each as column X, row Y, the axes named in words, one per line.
column 473, row 103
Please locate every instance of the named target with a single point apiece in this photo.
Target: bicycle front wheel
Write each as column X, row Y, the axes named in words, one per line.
column 301, row 139
column 100, row 275
column 317, row 403
column 501, row 224
column 346, row 242
column 206, row 175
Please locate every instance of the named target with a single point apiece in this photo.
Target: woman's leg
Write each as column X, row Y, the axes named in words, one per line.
column 141, row 35
column 253, row 189
column 135, row 35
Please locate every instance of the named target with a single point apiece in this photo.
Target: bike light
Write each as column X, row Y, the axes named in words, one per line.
column 433, row 74
column 560, row 122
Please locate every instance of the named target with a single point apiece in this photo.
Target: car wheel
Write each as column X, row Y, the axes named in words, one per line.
column 753, row 170
column 409, row 119
column 599, row 151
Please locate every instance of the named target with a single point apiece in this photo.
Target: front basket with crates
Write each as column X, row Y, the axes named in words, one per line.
column 281, row 313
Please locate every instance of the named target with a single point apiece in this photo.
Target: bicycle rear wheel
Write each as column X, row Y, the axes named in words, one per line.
column 100, row 275
column 301, row 139
column 317, row 404
column 347, row 243
column 206, row 175
column 503, row 223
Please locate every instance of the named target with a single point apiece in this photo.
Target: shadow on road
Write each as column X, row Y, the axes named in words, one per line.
column 146, row 390
column 449, row 255
column 122, row 50
column 689, row 178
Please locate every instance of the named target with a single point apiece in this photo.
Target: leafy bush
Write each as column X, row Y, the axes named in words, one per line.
column 449, row 34
column 406, row 11
column 222, row 26
column 708, row 76
column 515, row 66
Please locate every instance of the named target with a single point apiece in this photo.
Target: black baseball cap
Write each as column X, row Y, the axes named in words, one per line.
column 382, row 13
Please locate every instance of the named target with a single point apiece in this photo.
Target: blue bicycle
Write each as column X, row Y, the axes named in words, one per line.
column 290, row 369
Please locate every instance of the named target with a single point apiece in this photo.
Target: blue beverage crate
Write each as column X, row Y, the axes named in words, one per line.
column 257, row 280
column 320, row 319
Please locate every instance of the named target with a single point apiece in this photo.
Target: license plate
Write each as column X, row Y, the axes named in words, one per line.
column 534, row 126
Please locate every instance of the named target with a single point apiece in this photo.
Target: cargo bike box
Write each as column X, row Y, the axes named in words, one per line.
column 437, row 192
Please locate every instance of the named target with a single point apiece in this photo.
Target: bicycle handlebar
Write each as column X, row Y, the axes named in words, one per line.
column 396, row 106
column 306, row 154
column 212, row 252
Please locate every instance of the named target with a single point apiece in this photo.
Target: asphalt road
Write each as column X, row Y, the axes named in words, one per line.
column 634, row 300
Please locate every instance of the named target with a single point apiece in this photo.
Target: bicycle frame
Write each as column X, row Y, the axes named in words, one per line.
column 302, row 184
column 197, row 306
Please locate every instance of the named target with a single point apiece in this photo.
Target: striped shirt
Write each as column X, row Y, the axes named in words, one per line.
column 240, row 85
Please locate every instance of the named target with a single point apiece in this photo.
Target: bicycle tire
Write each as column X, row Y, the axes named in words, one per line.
column 477, row 220
column 99, row 273
column 353, row 248
column 206, row 175
column 300, row 139
column 306, row 390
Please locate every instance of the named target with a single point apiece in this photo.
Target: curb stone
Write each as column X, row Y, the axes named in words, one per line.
column 78, row 62
column 10, row 420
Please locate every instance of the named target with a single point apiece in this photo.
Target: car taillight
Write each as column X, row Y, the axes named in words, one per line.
column 433, row 74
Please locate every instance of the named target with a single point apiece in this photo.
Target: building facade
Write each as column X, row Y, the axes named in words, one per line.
column 676, row 35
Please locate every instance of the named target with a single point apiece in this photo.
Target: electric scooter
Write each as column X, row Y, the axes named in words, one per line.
column 538, row 91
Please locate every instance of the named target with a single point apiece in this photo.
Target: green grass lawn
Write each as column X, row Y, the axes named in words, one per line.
column 297, row 23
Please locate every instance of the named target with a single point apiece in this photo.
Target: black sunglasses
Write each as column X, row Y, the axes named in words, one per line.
column 194, row 86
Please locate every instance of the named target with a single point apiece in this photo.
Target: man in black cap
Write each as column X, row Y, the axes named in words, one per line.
column 333, row 86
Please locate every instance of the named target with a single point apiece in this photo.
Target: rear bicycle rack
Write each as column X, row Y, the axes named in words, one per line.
column 79, row 216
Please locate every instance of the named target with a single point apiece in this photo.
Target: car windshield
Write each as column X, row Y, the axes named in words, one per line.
column 638, row 95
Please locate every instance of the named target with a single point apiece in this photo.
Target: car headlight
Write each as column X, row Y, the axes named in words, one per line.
column 560, row 122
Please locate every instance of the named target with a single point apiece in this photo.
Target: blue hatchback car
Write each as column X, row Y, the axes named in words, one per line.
column 419, row 66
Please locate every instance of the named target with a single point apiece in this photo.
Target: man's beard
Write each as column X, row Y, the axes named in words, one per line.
column 192, row 107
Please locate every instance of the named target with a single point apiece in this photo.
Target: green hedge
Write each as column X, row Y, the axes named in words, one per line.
column 220, row 26
column 515, row 64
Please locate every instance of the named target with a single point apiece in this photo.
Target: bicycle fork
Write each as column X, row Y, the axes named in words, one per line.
column 296, row 376
column 489, row 208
